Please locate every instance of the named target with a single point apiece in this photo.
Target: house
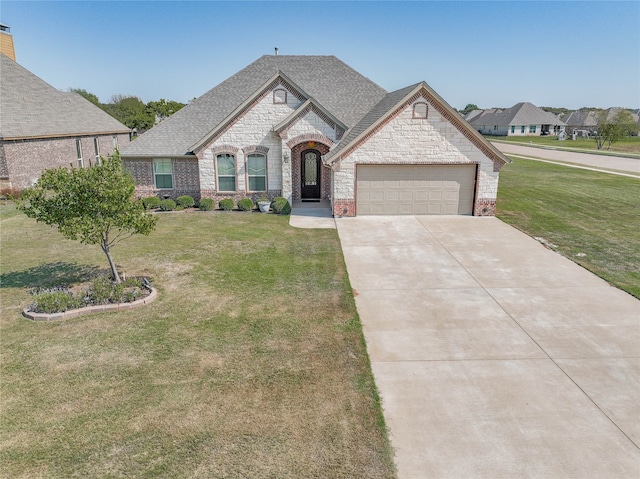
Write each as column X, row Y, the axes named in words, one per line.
column 310, row 128
column 522, row 119
column 585, row 122
column 41, row 128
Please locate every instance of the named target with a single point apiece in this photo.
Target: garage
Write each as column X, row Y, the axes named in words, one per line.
column 415, row 189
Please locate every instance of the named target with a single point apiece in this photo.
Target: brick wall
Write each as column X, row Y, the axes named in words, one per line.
column 185, row 178
column 26, row 159
column 296, row 169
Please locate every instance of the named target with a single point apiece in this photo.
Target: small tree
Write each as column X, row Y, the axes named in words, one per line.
column 611, row 131
column 93, row 205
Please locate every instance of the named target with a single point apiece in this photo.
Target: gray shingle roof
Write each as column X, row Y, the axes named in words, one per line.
column 31, row 108
column 524, row 113
column 341, row 90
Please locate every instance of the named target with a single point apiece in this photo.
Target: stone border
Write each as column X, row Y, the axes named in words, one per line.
column 90, row 309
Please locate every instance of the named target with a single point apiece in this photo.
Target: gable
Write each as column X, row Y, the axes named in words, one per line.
column 343, row 92
column 398, row 102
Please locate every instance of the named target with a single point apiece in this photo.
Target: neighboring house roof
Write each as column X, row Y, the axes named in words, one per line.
column 581, row 118
column 472, row 114
column 344, row 93
column 31, row 108
column 523, row 113
column 395, row 101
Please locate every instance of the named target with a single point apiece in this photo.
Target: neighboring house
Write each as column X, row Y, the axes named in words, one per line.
column 41, row 127
column 522, row 119
column 585, row 122
column 581, row 122
column 311, row 128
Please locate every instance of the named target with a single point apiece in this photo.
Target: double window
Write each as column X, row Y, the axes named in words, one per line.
column 532, row 128
column 226, row 170
column 163, row 173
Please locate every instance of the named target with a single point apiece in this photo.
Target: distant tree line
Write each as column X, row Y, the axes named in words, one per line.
column 132, row 111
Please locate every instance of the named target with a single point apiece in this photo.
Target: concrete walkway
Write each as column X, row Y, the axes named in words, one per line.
column 312, row 215
column 494, row 356
column 631, row 165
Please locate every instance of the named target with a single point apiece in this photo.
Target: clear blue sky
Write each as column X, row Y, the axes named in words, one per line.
column 564, row 54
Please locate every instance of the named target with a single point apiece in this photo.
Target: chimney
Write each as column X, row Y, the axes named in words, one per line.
column 276, row 51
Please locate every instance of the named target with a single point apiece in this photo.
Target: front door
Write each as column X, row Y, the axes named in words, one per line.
column 310, row 171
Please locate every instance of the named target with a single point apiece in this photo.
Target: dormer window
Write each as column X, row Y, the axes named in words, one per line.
column 420, row 110
column 279, row 96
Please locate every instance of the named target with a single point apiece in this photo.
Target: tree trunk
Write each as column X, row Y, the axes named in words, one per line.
column 114, row 270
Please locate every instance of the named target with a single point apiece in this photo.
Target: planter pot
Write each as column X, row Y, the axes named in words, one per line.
column 264, row 206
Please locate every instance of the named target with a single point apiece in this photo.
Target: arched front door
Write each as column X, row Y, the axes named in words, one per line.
column 310, row 171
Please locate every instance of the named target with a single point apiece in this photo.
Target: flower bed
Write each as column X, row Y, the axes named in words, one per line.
column 99, row 295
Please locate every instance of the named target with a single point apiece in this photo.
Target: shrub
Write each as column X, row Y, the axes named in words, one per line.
column 167, row 205
column 280, row 206
column 105, row 291
column 206, row 204
column 55, row 301
column 245, row 204
column 226, row 204
column 185, row 201
column 151, row 202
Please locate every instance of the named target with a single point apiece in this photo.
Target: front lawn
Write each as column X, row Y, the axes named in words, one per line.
column 624, row 145
column 251, row 363
column 592, row 217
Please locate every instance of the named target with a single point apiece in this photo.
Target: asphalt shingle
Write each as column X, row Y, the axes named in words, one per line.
column 341, row 90
column 31, row 108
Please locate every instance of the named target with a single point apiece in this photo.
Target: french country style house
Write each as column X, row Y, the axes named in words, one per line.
column 311, row 128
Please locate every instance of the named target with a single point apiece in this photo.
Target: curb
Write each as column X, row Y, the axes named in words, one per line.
column 72, row 313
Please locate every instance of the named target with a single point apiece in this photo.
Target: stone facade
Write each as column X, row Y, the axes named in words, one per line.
column 404, row 139
column 22, row 161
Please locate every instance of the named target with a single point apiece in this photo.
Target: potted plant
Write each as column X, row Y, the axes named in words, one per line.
column 264, row 204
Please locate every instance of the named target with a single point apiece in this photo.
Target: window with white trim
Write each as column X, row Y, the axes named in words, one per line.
column 532, row 128
column 115, row 142
column 257, row 172
column 279, row 96
column 522, row 129
column 96, row 147
column 79, row 153
column 513, row 128
column 420, row 110
column 226, row 172
column 163, row 173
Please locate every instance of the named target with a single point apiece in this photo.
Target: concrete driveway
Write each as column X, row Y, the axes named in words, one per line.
column 494, row 356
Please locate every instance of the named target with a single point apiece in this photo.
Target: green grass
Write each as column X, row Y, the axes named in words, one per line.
column 582, row 212
column 624, row 145
column 251, row 363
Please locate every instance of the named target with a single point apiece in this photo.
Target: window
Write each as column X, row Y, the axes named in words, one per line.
column 163, row 173
column 79, row 153
column 420, row 110
column 97, row 150
column 513, row 128
column 257, row 172
column 279, row 96
column 522, row 129
column 226, row 169
column 532, row 128
column 115, row 142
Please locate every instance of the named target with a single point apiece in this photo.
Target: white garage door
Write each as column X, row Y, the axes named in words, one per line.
column 415, row 189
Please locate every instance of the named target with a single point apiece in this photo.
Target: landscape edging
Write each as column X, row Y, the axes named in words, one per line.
column 90, row 309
